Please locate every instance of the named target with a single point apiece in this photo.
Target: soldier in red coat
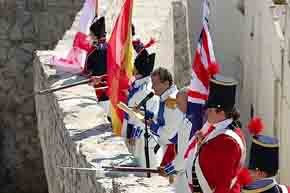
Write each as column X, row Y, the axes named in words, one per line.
column 264, row 155
column 215, row 157
column 96, row 61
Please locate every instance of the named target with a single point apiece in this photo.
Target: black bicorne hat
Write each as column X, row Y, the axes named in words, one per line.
column 264, row 155
column 98, row 28
column 262, row 186
column 222, row 93
column 144, row 63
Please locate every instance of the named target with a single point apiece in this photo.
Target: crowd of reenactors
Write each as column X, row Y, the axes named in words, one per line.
column 212, row 159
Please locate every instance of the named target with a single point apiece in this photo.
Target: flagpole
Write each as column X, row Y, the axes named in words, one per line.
column 146, row 145
column 97, row 8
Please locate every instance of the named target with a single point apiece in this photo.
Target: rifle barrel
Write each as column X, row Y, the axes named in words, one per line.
column 131, row 169
column 116, row 169
column 50, row 90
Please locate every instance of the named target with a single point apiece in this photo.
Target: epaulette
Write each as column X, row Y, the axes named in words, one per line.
column 170, row 103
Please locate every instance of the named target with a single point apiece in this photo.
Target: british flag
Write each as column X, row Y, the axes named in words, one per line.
column 204, row 66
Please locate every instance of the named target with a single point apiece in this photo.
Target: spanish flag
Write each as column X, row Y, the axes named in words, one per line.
column 120, row 63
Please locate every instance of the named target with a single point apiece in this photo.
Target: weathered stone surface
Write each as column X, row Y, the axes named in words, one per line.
column 4, row 26
column 15, row 33
column 21, row 165
column 182, row 67
column 172, row 51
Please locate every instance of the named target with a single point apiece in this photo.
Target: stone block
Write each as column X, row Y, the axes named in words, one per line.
column 4, row 26
column 15, row 33
column 35, row 5
column 182, row 67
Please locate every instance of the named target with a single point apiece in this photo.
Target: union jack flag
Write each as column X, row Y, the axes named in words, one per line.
column 204, row 66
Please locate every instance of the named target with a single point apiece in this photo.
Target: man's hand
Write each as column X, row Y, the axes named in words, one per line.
column 199, row 136
column 149, row 122
column 135, row 109
column 162, row 172
column 95, row 80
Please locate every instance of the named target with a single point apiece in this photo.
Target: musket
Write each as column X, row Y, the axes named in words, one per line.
column 131, row 169
column 86, row 81
column 117, row 169
column 51, row 90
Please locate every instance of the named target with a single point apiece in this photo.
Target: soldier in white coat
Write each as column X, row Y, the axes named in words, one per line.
column 134, row 129
column 182, row 122
column 163, row 126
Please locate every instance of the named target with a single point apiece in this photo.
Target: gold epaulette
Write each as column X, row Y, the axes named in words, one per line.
column 170, row 103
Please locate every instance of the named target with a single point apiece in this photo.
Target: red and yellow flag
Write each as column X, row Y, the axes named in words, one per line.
column 120, row 63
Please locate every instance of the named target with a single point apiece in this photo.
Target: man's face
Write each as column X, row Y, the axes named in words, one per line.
column 158, row 86
column 214, row 116
column 257, row 175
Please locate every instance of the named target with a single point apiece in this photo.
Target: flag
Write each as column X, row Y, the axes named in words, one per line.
column 120, row 63
column 75, row 59
column 204, row 66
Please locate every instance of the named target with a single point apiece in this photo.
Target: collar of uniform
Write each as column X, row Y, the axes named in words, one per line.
column 140, row 81
column 171, row 91
column 223, row 124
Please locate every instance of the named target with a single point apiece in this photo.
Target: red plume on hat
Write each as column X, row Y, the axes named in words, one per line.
column 244, row 177
column 150, row 43
column 256, row 126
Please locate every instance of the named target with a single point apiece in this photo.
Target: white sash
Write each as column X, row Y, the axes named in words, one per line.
column 283, row 188
column 201, row 179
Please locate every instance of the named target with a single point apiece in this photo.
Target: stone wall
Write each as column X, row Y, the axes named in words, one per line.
column 57, row 146
column 172, row 51
column 181, row 30
column 266, row 72
column 182, row 66
column 25, row 25
column 225, row 23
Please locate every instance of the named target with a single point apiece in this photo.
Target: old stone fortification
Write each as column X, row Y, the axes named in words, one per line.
column 34, row 143
column 27, row 147
column 39, row 136
column 25, row 26
column 71, row 125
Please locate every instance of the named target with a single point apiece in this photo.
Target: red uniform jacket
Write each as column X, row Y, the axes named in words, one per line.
column 220, row 163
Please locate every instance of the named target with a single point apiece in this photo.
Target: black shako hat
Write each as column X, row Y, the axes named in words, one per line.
column 264, row 155
column 98, row 27
column 144, row 63
column 222, row 93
